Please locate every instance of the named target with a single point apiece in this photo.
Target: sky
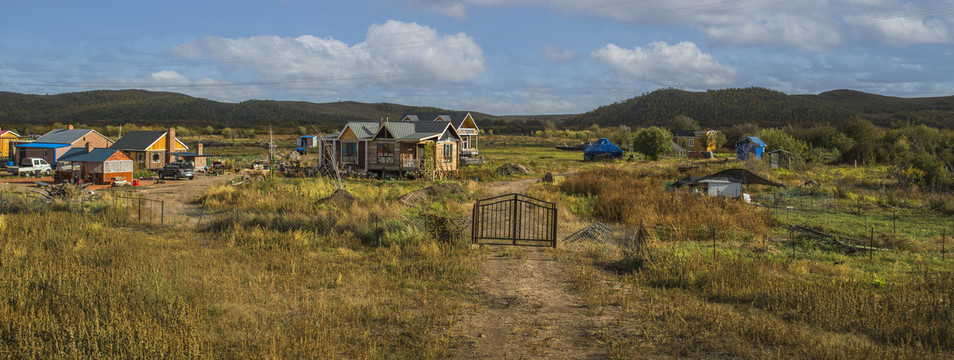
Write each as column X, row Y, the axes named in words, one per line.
column 503, row 57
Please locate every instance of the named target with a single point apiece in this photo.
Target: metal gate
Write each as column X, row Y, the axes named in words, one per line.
column 514, row 219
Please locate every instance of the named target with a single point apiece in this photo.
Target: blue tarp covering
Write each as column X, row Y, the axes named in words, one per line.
column 602, row 148
column 749, row 145
column 41, row 145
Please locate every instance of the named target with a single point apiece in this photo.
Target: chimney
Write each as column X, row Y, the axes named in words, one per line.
column 387, row 118
column 69, row 127
column 170, row 144
column 381, row 121
column 198, row 149
column 89, row 147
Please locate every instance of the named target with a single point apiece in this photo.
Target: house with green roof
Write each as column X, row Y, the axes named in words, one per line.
column 392, row 148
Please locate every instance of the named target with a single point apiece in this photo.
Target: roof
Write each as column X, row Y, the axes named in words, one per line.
column 752, row 139
column 456, row 118
column 362, row 129
column 65, row 136
column 95, row 155
column 309, row 136
column 691, row 133
column 140, row 140
column 37, row 145
column 737, row 175
column 8, row 131
column 416, row 130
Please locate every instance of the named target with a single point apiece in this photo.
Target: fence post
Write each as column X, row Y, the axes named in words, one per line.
column 162, row 213
column 140, row 210
column 944, row 244
column 871, row 245
column 713, row 243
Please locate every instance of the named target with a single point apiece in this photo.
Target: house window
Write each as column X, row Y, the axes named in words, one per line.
column 692, row 142
column 349, row 153
column 46, row 153
column 385, row 153
column 465, row 142
column 155, row 157
column 449, row 153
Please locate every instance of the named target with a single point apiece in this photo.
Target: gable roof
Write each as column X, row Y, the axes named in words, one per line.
column 734, row 175
column 364, row 130
column 692, row 133
column 66, row 136
column 2, row 132
column 95, row 155
column 141, row 140
column 457, row 118
column 419, row 130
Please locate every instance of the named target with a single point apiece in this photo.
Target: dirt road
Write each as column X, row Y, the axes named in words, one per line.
column 525, row 305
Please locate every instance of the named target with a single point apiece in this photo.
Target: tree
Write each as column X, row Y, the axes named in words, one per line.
column 652, row 141
column 775, row 139
column 682, row 122
column 227, row 133
column 209, row 130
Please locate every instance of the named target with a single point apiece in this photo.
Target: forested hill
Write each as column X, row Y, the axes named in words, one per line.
column 723, row 108
column 114, row 107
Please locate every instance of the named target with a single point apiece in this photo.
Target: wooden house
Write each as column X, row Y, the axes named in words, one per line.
column 393, row 148
column 150, row 149
column 463, row 122
column 696, row 142
column 99, row 166
column 7, row 140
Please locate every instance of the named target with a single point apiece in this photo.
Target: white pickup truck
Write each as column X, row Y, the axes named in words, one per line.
column 29, row 166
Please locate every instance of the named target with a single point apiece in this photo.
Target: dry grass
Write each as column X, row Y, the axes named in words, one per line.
column 90, row 286
column 639, row 197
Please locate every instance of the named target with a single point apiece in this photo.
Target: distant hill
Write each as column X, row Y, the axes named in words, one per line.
column 114, row 107
column 723, row 108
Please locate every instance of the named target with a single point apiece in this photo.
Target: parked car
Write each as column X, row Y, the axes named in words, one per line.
column 29, row 166
column 177, row 170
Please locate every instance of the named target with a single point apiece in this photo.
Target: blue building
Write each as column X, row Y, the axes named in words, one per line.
column 748, row 147
column 602, row 149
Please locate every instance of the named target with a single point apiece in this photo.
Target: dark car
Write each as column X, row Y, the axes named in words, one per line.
column 177, row 170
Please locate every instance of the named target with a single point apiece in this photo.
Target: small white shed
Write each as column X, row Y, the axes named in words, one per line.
column 308, row 141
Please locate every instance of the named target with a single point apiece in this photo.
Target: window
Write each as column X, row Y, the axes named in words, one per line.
column 692, row 142
column 385, row 153
column 46, row 153
column 155, row 157
column 349, row 153
column 465, row 142
column 449, row 153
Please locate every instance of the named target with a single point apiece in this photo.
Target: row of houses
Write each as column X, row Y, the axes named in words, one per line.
column 89, row 155
column 396, row 147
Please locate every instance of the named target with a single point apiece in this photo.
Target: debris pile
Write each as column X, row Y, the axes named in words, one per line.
column 339, row 197
column 513, row 169
column 422, row 195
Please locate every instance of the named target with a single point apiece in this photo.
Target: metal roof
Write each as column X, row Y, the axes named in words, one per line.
column 455, row 117
column 138, row 140
column 362, row 129
column 38, row 145
column 416, row 130
column 189, row 154
column 95, row 155
column 65, row 136
column 753, row 139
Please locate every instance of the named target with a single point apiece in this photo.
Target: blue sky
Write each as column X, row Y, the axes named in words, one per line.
column 495, row 56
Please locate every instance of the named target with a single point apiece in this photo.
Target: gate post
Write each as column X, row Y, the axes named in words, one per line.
column 554, row 236
column 474, row 222
column 513, row 219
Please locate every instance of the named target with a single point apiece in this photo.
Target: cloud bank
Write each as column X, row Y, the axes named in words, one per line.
column 393, row 54
column 680, row 65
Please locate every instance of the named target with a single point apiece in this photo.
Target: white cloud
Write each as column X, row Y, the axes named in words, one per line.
column 168, row 80
column 811, row 25
column 680, row 65
column 454, row 9
column 393, row 53
column 554, row 52
column 900, row 30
